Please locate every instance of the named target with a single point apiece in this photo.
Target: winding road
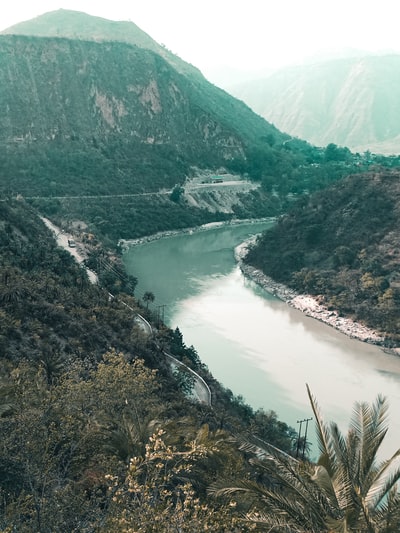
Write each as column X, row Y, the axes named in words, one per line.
column 201, row 391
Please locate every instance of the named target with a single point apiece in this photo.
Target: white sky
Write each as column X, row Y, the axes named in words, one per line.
column 241, row 34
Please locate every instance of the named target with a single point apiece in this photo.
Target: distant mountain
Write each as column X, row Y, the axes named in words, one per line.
column 342, row 245
column 95, row 106
column 353, row 102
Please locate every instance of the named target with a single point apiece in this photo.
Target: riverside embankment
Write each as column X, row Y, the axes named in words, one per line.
column 124, row 244
column 306, row 303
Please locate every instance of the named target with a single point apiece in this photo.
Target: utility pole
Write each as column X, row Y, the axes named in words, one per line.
column 161, row 313
column 306, row 420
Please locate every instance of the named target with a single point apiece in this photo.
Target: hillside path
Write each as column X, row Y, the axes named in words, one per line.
column 78, row 251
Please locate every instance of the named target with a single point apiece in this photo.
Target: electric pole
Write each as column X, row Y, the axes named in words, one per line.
column 306, row 420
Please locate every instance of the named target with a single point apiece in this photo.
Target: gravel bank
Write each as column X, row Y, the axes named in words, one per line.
column 306, row 303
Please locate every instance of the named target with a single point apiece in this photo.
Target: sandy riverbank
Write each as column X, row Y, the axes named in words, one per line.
column 308, row 304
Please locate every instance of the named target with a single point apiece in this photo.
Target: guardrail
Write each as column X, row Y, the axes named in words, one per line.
column 200, row 381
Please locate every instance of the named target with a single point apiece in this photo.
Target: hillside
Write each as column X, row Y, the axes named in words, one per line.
column 85, row 110
column 77, row 25
column 84, row 391
column 351, row 102
column 95, row 106
column 96, row 115
column 342, row 246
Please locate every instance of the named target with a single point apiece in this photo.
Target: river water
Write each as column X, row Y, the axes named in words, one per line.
column 255, row 344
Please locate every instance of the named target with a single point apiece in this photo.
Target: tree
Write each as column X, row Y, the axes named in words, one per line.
column 148, row 297
column 157, row 494
column 348, row 490
column 176, row 193
column 336, row 153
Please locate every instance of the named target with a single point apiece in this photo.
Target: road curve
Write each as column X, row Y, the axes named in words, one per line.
column 201, row 391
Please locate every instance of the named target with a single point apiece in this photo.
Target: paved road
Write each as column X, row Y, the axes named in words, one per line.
column 201, row 392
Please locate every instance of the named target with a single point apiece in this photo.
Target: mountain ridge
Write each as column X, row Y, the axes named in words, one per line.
column 79, row 25
column 116, row 100
column 351, row 102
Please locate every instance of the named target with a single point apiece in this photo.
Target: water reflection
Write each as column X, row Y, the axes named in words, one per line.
column 255, row 344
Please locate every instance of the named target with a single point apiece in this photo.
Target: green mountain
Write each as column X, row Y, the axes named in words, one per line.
column 342, row 245
column 98, row 114
column 351, row 102
column 81, row 26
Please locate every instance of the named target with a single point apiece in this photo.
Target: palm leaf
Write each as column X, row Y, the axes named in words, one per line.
column 385, row 479
column 327, row 457
column 369, row 423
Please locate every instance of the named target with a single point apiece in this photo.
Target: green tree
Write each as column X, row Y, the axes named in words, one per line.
column 148, row 297
column 348, row 490
column 176, row 193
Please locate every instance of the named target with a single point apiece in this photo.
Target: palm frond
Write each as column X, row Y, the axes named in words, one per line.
column 388, row 516
column 385, row 479
column 323, row 436
column 343, row 477
column 370, row 424
column 274, row 506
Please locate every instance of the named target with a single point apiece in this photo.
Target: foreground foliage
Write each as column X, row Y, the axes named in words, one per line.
column 350, row 489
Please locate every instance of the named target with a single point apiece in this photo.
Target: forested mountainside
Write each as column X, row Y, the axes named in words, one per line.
column 88, row 117
column 343, row 245
column 98, row 434
column 89, row 406
column 351, row 102
column 94, row 108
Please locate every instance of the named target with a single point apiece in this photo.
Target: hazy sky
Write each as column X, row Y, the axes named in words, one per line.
column 241, row 34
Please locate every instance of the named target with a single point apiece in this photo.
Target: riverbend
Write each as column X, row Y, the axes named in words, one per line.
column 254, row 343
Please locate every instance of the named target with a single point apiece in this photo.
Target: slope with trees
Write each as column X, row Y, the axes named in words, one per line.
column 342, row 246
column 95, row 107
column 90, row 408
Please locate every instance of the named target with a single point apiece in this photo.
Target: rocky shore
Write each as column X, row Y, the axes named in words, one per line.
column 306, row 303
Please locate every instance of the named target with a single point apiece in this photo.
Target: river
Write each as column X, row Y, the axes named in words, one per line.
column 255, row 344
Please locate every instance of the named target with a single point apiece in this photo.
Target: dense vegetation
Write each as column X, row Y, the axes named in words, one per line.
column 342, row 245
column 108, row 119
column 78, row 113
column 82, row 391
column 117, row 218
column 98, row 433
